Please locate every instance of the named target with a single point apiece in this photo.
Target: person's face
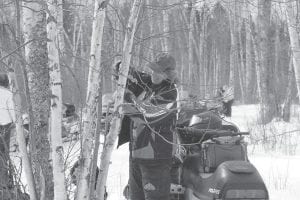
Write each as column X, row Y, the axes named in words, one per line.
column 157, row 78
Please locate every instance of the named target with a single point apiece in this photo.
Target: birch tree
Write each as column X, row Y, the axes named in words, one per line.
column 56, row 101
column 294, row 39
column 91, row 99
column 7, row 43
column 21, row 138
column 263, row 50
column 34, row 28
column 116, row 121
column 249, row 66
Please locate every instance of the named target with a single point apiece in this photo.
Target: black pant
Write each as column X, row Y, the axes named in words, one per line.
column 149, row 180
column 5, row 139
column 4, row 154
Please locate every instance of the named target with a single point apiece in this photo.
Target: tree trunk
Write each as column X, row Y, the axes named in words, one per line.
column 267, row 98
column 257, row 58
column 191, row 52
column 166, row 27
column 249, row 80
column 203, row 53
column 241, row 68
column 286, row 114
column 97, row 142
column 95, row 71
column 34, row 27
column 54, row 42
column 21, row 138
column 8, row 188
column 116, row 121
column 18, row 107
column 151, row 29
column 233, row 49
column 294, row 40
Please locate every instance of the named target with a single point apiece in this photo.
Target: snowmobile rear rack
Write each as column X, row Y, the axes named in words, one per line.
column 206, row 134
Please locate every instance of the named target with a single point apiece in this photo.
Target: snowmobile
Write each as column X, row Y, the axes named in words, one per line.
column 216, row 165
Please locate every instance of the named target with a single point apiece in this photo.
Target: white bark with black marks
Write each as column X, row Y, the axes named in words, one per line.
column 119, row 100
column 21, row 138
column 83, row 190
column 57, row 151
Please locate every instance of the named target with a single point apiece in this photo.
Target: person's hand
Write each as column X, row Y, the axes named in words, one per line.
column 116, row 70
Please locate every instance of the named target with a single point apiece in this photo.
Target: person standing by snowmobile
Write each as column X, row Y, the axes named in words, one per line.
column 150, row 121
column 7, row 118
column 227, row 96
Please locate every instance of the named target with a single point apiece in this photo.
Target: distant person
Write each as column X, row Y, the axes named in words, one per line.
column 70, row 120
column 69, row 110
column 7, row 118
column 227, row 96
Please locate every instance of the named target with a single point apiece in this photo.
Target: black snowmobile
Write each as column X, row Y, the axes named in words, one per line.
column 216, row 166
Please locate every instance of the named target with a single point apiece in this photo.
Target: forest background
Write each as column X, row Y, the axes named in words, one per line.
column 64, row 51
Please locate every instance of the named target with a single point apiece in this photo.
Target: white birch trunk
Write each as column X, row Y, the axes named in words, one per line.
column 21, row 138
column 97, row 142
column 92, row 93
column 116, row 121
column 56, row 102
column 34, row 28
column 294, row 40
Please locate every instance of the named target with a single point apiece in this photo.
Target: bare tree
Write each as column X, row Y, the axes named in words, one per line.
column 34, row 28
column 95, row 69
column 21, row 138
column 119, row 100
column 263, row 70
column 57, row 152
column 294, row 39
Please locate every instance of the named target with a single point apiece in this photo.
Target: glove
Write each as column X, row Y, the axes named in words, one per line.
column 116, row 70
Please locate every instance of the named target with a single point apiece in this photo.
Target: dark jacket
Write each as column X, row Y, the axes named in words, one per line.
column 151, row 128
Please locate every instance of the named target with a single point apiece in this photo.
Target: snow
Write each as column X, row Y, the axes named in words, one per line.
column 277, row 160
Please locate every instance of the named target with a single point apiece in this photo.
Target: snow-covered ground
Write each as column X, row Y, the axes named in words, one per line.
column 278, row 160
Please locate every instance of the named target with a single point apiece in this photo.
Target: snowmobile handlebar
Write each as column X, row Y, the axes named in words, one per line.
column 208, row 133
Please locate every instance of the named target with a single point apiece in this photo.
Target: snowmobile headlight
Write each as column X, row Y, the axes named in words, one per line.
column 246, row 194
